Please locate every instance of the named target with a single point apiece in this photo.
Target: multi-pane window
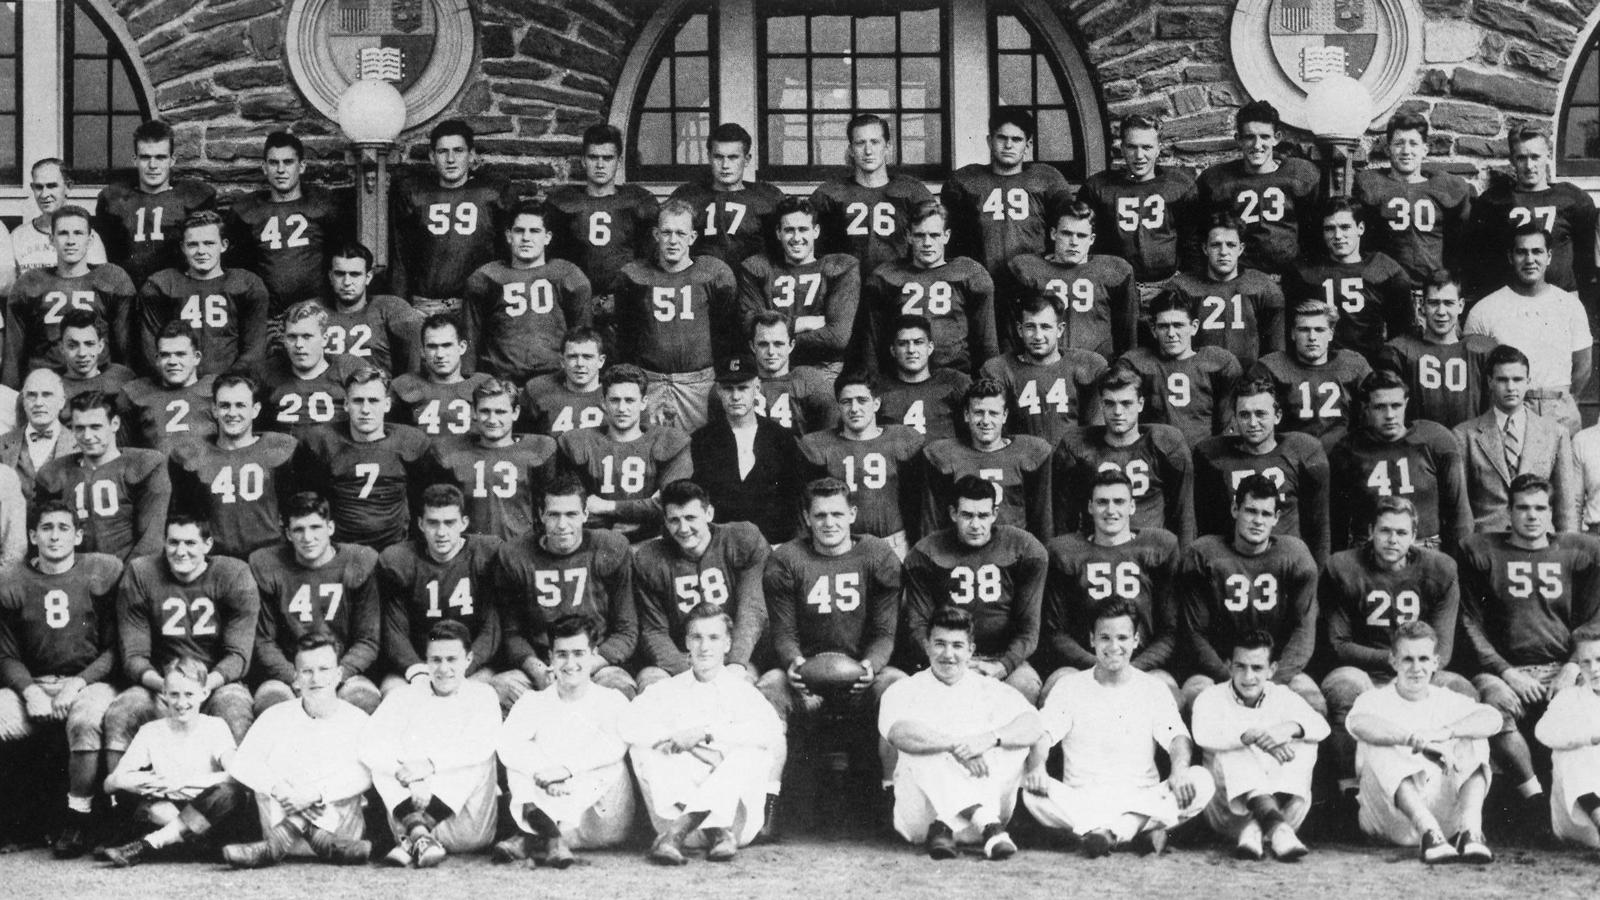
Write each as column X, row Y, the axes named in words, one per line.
column 10, row 91
column 679, row 109
column 1024, row 75
column 819, row 70
column 1579, row 153
column 102, row 106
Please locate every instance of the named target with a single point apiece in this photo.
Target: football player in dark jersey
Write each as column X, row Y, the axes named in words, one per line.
column 142, row 223
column 818, row 296
column 601, row 225
column 865, row 211
column 1241, row 310
column 733, row 218
column 437, row 398
column 800, row 398
column 499, row 471
column 557, row 403
column 174, row 406
column 1149, row 214
column 1419, row 219
column 305, row 387
column 446, row 223
column 1269, row 194
column 226, row 307
column 284, row 233
column 1371, row 291
column 516, row 312
column 1444, row 369
column 1562, row 210
column 120, row 494
column 1051, row 388
column 1098, row 291
column 915, row 394
column 85, row 364
column 381, row 329
column 1188, row 387
column 1018, row 466
column 42, row 296
column 1315, row 382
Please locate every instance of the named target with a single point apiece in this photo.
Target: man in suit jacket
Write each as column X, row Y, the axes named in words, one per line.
column 749, row 464
column 44, row 437
column 1510, row 440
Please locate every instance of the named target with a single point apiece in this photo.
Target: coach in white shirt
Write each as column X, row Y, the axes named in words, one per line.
column 1109, row 720
column 1543, row 321
column 962, row 739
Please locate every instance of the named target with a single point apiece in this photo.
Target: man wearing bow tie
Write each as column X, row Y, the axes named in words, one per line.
column 43, row 438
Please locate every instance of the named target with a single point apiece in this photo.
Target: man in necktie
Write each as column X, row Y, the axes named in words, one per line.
column 43, row 438
column 1511, row 439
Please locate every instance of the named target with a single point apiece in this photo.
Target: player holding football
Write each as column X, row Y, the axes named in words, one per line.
column 234, row 479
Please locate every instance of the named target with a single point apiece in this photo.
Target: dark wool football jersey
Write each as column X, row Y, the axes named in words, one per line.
column 1022, row 469
column 437, row 409
column 109, row 380
column 1102, row 308
column 143, row 232
column 61, row 624
column 121, row 504
column 1297, row 464
column 932, row 407
column 1563, row 210
column 1084, row 575
column 516, row 319
column 553, row 408
column 1446, row 381
column 287, row 242
column 1224, row 595
column 1243, row 315
column 228, row 313
column 156, row 415
column 41, row 298
column 848, row 603
column 294, row 404
column 1048, row 400
column 1317, row 400
column 442, row 235
column 668, row 583
column 1419, row 224
column 829, row 286
column 683, row 321
column 371, row 484
column 212, row 618
column 957, row 298
column 630, row 473
column 237, row 491
column 1373, row 297
column 800, row 400
column 1152, row 224
column 340, row 596
column 1192, row 395
column 535, row 587
column 600, row 234
column 499, row 482
column 732, row 224
column 995, row 218
column 1158, row 464
column 869, row 223
column 1270, row 206
column 417, row 592
column 1426, row 466
column 1001, row 584
column 1363, row 603
column 883, row 472
column 1520, row 607
column 385, row 331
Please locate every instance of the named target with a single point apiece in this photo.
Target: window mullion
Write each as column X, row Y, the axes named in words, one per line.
column 42, row 82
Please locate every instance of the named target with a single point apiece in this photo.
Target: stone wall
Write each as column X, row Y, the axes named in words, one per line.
column 548, row 68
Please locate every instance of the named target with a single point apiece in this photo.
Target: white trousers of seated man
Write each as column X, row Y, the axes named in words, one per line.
column 1115, row 809
column 342, row 819
column 1249, row 772
column 936, row 787
column 1383, row 769
column 733, row 795
column 1575, row 773
column 596, row 810
column 469, row 792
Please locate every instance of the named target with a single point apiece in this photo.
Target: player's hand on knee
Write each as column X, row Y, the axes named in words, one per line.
column 1036, row 782
column 37, row 703
column 1504, row 699
column 66, row 697
column 1527, row 688
column 1181, row 785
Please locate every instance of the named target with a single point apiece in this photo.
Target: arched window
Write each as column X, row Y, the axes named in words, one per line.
column 101, row 105
column 1578, row 130
column 794, row 71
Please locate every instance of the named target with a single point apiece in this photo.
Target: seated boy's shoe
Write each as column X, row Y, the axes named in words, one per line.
column 427, row 851
column 1473, row 849
column 941, row 841
column 769, row 824
column 516, row 848
column 1286, row 845
column 401, row 856
column 667, row 850
column 1249, row 846
column 341, row 851
column 256, row 855
column 557, row 855
column 997, row 844
column 1098, row 843
column 1153, row 841
column 130, row 854
column 74, row 839
column 721, row 847
column 1435, row 849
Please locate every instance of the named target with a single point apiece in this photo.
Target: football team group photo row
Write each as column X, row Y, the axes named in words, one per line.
column 1240, row 502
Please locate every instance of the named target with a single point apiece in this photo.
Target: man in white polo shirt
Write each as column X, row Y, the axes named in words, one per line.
column 1543, row 321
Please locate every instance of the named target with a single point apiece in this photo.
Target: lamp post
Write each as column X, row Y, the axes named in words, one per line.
column 371, row 115
column 1339, row 109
